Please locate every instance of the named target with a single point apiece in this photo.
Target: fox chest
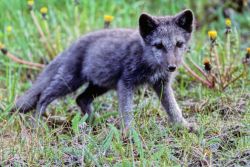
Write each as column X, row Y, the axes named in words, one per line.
column 158, row 75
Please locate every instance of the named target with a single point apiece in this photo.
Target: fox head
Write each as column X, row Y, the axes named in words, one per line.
column 166, row 38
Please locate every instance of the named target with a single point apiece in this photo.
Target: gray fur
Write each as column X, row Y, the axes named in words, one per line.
column 120, row 59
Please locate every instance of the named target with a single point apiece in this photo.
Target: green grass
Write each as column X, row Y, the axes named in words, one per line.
column 64, row 138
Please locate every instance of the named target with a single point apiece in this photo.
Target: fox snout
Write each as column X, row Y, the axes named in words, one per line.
column 171, row 61
column 171, row 68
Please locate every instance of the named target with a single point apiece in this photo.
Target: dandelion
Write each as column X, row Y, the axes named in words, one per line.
column 228, row 41
column 107, row 20
column 3, row 49
column 246, row 59
column 248, row 51
column 206, row 61
column 1, row 46
column 207, row 64
column 30, row 4
column 44, row 11
column 9, row 29
column 248, row 54
column 228, row 25
column 228, row 22
column 212, row 35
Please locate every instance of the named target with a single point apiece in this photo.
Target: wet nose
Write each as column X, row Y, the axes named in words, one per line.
column 171, row 68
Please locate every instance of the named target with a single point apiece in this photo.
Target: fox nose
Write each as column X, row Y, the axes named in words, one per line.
column 171, row 68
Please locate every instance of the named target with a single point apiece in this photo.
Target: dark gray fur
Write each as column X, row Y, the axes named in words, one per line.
column 120, row 59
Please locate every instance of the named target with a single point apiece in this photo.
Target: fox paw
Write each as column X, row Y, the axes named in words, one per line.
column 191, row 127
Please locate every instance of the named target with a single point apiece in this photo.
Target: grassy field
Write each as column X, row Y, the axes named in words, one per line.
column 65, row 139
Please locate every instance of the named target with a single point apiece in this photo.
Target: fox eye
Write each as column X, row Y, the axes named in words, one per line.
column 158, row 46
column 179, row 44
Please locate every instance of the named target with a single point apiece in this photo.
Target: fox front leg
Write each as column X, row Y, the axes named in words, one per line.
column 125, row 97
column 166, row 95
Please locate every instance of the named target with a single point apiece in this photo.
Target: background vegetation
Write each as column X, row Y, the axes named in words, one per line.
column 65, row 139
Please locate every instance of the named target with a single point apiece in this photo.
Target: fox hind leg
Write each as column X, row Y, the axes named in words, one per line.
column 59, row 86
column 85, row 99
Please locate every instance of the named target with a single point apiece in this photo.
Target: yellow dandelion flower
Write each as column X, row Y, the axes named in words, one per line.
column 212, row 34
column 44, row 10
column 30, row 2
column 9, row 29
column 248, row 50
column 206, row 61
column 1, row 46
column 108, row 18
column 228, row 22
column 207, row 64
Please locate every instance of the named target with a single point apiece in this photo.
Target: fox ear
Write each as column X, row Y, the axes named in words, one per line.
column 185, row 20
column 146, row 24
